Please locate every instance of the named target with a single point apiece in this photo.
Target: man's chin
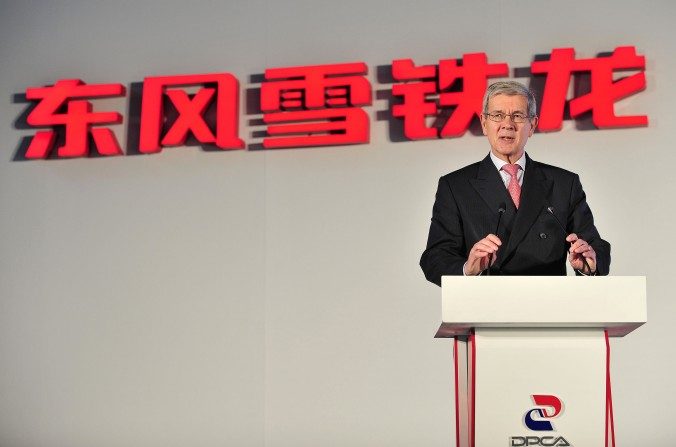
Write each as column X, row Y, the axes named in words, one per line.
column 507, row 152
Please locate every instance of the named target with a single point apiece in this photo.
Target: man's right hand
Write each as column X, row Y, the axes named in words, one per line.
column 480, row 253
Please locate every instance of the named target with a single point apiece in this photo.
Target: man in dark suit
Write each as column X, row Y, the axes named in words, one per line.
column 545, row 220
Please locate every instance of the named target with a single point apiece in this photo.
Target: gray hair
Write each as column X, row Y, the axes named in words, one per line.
column 511, row 88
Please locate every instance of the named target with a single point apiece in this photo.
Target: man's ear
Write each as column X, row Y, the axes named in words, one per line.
column 533, row 124
column 482, row 118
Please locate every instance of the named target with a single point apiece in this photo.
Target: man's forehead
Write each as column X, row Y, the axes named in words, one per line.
column 510, row 101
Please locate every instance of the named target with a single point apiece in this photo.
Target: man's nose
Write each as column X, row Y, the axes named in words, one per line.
column 507, row 123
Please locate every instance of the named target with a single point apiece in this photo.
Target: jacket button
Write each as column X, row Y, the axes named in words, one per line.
column 543, row 236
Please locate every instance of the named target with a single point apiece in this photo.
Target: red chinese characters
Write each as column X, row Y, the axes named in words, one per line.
column 604, row 90
column 63, row 104
column 221, row 87
column 316, row 105
column 418, row 108
column 323, row 105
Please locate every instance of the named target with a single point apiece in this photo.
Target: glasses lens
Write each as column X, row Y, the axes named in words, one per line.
column 515, row 117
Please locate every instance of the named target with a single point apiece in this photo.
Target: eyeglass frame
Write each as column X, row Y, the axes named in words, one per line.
column 492, row 116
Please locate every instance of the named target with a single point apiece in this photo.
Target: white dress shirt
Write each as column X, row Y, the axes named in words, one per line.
column 505, row 176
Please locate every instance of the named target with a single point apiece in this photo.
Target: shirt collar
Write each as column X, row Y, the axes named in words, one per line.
column 499, row 163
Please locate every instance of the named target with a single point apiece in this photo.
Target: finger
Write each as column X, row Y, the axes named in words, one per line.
column 575, row 259
column 575, row 262
column 572, row 237
column 479, row 253
column 486, row 245
column 576, row 265
column 576, row 245
column 578, row 242
column 588, row 267
column 485, row 242
column 589, row 253
column 582, row 247
column 493, row 238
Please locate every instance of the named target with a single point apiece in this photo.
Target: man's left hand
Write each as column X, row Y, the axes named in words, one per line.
column 580, row 249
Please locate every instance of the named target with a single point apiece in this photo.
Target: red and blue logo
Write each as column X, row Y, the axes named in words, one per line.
column 548, row 407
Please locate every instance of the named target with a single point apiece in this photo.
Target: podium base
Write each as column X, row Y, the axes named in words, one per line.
column 531, row 387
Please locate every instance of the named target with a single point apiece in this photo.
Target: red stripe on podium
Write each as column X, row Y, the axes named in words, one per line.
column 457, row 402
column 472, row 341
column 609, row 398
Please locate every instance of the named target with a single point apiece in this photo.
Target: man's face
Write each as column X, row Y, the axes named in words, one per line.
column 507, row 138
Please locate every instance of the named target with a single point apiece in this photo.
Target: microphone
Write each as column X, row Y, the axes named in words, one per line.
column 501, row 210
column 550, row 210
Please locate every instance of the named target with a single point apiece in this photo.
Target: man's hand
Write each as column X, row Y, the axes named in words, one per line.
column 580, row 249
column 477, row 261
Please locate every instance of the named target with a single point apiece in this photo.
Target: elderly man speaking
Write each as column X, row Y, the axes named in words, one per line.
column 508, row 214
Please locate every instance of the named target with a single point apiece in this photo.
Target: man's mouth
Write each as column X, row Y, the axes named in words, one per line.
column 506, row 139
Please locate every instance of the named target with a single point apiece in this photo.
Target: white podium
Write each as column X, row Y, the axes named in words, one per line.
column 532, row 356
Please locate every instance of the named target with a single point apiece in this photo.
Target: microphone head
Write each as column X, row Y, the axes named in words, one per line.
column 502, row 208
column 550, row 209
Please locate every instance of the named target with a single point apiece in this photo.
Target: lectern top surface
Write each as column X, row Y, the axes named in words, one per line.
column 615, row 303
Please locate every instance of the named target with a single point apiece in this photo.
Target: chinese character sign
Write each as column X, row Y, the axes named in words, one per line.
column 323, row 105
column 604, row 90
column 430, row 79
column 316, row 105
column 225, row 92
column 63, row 105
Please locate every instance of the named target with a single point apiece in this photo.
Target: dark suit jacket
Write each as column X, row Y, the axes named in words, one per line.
column 466, row 210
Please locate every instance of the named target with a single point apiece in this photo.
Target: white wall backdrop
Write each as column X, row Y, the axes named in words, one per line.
column 273, row 298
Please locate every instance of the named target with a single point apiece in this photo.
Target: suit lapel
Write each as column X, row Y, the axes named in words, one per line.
column 490, row 187
column 534, row 191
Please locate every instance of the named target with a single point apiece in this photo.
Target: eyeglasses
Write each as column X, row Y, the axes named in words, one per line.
column 516, row 117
